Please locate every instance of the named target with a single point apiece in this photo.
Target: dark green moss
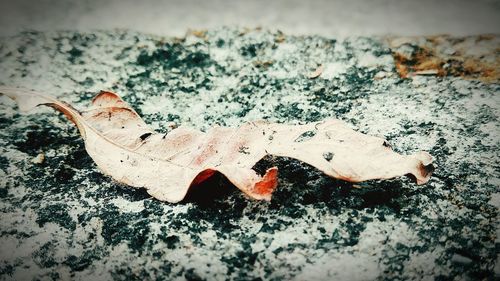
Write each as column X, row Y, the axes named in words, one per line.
column 36, row 137
column 240, row 261
column 4, row 162
column 252, row 50
column 130, row 228
column 74, row 54
column 126, row 273
column 4, row 192
column 171, row 240
column 6, row 270
column 153, row 207
column 56, row 213
column 174, row 55
column 16, row 233
column 191, row 275
column 84, row 261
column 44, row 257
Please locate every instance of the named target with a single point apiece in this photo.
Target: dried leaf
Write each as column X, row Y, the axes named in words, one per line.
column 471, row 57
column 126, row 149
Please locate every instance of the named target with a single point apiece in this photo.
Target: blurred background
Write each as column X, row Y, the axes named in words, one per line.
column 332, row 18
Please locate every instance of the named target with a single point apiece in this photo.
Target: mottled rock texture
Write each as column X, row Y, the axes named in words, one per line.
column 61, row 218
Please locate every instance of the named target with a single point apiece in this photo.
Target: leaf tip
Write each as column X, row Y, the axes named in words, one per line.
column 425, row 167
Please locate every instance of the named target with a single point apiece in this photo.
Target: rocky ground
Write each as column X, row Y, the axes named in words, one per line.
column 62, row 219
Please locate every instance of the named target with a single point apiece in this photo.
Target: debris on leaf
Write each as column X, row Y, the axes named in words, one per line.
column 167, row 165
column 317, row 72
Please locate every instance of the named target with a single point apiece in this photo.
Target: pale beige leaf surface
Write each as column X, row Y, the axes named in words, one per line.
column 167, row 165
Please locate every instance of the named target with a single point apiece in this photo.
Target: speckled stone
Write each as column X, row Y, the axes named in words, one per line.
column 62, row 219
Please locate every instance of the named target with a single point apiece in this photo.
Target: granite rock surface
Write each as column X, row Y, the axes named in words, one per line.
column 60, row 218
